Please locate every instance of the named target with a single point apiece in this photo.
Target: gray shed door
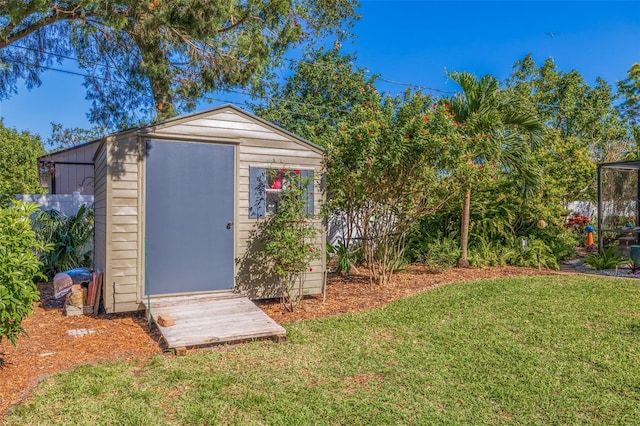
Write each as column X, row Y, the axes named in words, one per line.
column 189, row 215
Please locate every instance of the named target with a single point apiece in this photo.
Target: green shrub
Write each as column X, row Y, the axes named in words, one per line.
column 536, row 253
column 345, row 257
column 442, row 253
column 19, row 265
column 609, row 259
column 70, row 236
column 289, row 237
column 490, row 253
column 563, row 244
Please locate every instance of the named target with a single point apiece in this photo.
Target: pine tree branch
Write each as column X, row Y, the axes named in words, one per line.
column 234, row 24
column 8, row 37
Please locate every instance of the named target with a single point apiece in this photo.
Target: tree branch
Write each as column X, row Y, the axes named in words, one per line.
column 6, row 40
column 234, row 24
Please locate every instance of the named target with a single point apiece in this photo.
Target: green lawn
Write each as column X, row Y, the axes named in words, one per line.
column 543, row 350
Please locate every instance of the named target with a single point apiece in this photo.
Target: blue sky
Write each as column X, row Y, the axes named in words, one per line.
column 415, row 42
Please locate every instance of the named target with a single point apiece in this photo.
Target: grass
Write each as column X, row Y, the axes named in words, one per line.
column 543, row 350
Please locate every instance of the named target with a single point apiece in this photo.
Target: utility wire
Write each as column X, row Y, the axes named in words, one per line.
column 298, row 61
column 269, row 98
column 366, row 70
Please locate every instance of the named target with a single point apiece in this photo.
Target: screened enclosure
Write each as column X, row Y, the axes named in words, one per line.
column 618, row 205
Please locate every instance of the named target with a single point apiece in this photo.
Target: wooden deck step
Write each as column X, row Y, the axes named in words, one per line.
column 209, row 319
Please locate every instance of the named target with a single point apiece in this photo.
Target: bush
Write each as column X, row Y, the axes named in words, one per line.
column 536, row 253
column 609, row 259
column 490, row 253
column 70, row 236
column 289, row 237
column 19, row 265
column 442, row 253
column 345, row 257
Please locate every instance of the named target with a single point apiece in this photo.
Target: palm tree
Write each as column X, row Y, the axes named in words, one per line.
column 500, row 129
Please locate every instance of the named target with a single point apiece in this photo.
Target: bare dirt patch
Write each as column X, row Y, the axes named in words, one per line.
column 56, row 342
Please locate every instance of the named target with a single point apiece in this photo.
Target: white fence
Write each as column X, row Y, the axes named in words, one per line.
column 68, row 204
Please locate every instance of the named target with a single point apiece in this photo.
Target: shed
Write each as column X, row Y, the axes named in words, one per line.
column 178, row 205
column 69, row 170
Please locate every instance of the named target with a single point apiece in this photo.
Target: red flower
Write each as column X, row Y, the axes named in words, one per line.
column 447, row 106
column 310, row 269
column 310, row 249
column 283, row 169
column 426, row 119
column 297, row 172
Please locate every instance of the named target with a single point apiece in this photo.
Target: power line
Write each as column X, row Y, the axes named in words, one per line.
column 366, row 70
column 67, row 71
column 298, row 61
column 270, row 98
column 58, row 55
column 205, row 98
column 589, row 108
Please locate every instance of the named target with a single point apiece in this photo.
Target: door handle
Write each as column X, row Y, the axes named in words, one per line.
column 229, row 224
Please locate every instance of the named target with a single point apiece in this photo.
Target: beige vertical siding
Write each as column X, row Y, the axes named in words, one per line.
column 74, row 177
column 124, row 244
column 100, row 208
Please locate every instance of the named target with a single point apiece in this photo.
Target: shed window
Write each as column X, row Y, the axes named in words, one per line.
column 266, row 186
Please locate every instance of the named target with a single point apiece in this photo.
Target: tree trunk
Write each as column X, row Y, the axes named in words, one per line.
column 463, row 262
column 155, row 65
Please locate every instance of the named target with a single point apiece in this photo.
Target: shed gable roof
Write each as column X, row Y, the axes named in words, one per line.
column 225, row 122
column 66, row 153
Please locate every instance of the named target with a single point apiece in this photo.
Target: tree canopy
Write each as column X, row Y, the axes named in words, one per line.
column 158, row 57
column 629, row 93
column 323, row 89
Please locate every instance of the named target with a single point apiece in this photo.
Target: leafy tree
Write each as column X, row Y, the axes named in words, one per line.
column 565, row 102
column 322, row 90
column 19, row 265
column 18, row 162
column 629, row 92
column 499, row 131
column 157, row 55
column 390, row 163
column 319, row 95
column 67, row 137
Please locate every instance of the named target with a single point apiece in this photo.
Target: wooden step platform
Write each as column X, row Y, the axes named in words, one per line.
column 209, row 319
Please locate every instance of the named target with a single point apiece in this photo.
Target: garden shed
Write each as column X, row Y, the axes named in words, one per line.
column 68, row 170
column 178, row 205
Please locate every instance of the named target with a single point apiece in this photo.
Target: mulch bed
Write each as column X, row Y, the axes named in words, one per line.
column 56, row 342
